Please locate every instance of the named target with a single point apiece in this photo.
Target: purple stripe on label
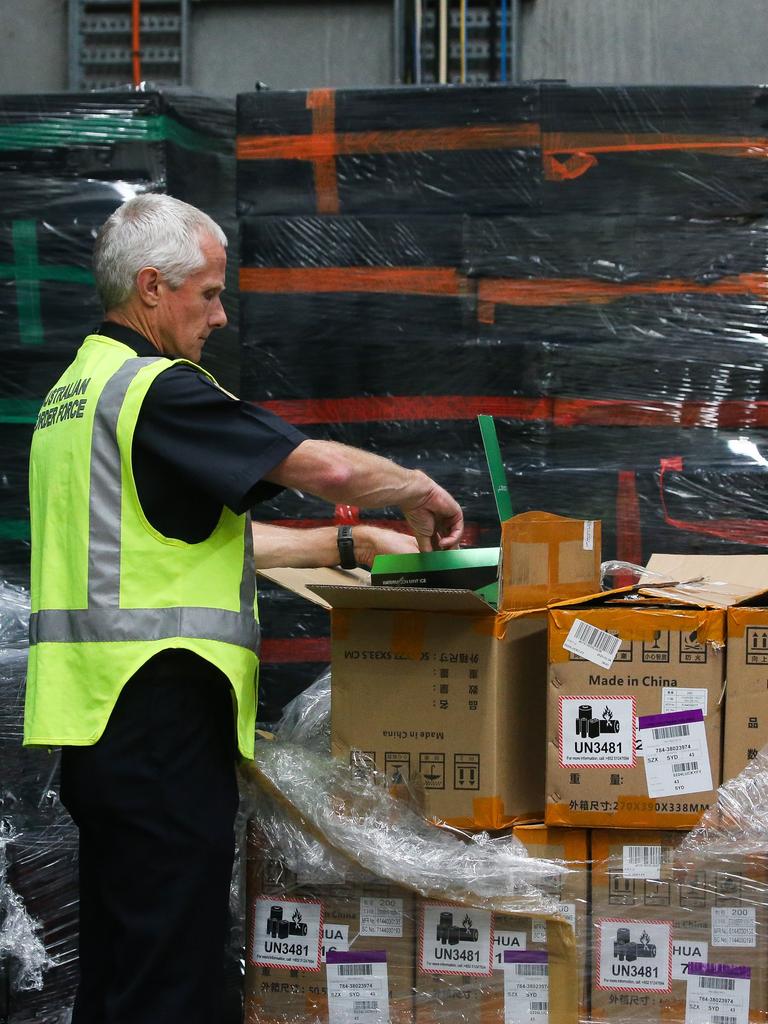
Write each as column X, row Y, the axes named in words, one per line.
column 719, row 970
column 527, row 956
column 366, row 956
column 670, row 718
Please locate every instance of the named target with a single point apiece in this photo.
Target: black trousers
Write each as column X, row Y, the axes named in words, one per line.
column 155, row 801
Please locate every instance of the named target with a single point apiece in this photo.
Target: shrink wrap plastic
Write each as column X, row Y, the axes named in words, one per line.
column 585, row 263
column 66, row 162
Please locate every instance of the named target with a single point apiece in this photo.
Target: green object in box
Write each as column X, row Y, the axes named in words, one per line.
column 460, row 569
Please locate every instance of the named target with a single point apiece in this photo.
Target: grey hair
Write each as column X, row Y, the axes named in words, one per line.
column 150, row 231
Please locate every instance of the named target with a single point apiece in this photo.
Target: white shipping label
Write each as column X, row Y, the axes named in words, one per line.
column 684, row 698
column 734, row 926
column 589, row 535
column 591, row 643
column 526, row 988
column 504, row 941
column 634, row 956
column 717, row 994
column 676, row 753
column 358, row 989
column 381, row 916
column 539, row 928
column 455, row 940
column 287, row 933
column 597, row 732
column 335, row 939
column 642, row 862
column 684, row 952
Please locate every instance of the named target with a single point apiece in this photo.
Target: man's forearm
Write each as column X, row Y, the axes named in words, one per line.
column 280, row 547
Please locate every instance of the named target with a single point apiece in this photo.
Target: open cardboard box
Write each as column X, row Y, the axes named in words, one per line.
column 436, row 683
column 670, row 661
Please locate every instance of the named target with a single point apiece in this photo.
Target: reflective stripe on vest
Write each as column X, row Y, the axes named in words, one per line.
column 104, row 619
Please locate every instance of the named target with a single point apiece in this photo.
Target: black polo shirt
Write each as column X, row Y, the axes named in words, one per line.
column 197, row 448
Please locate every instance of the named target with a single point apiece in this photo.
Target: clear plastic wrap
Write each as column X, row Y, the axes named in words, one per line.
column 652, row 912
column 585, row 263
column 306, row 720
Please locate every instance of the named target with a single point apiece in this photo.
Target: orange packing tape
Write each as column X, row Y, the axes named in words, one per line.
column 322, row 103
column 638, row 623
column 408, row 631
column 332, row 280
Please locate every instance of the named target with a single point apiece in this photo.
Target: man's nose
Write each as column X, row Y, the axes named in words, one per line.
column 218, row 317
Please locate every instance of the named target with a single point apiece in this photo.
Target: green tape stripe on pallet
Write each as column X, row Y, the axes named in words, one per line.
column 14, row 529
column 102, row 129
column 19, row 410
column 28, row 272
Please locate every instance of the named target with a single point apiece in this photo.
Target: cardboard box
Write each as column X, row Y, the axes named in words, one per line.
column 669, row 660
column 471, row 988
column 571, row 889
column 654, row 912
column 436, row 684
column 746, row 705
column 353, row 916
column 547, row 558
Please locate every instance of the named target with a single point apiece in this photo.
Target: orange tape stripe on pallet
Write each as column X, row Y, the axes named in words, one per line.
column 397, row 280
column 322, row 103
column 556, row 143
column 322, row 145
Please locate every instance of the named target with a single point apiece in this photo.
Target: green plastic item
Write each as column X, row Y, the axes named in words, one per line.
column 496, row 467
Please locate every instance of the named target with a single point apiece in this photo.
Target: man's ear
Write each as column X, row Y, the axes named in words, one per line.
column 148, row 284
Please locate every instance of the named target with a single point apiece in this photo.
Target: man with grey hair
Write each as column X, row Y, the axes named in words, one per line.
column 143, row 633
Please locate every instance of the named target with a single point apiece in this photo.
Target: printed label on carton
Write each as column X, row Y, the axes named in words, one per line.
column 717, row 994
column 335, row 939
column 683, row 698
column 734, row 926
column 597, row 733
column 634, row 956
column 526, row 988
column 358, row 989
column 504, row 942
column 642, row 862
column 676, row 753
column 588, row 542
column 592, row 644
column 287, row 933
column 539, row 928
column 381, row 916
column 455, row 940
column 685, row 952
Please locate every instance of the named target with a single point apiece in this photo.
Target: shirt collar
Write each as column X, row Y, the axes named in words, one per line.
column 127, row 336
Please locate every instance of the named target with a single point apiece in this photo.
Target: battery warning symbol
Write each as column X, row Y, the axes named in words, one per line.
column 466, row 771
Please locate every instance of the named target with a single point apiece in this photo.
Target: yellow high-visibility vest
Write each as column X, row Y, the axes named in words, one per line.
column 108, row 591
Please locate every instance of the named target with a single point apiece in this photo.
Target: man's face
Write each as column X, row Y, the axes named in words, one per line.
column 186, row 316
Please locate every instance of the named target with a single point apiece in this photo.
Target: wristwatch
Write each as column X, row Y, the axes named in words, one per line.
column 346, row 545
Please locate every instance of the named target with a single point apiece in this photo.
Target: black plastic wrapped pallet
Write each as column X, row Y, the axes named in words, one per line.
column 683, row 150
column 404, row 150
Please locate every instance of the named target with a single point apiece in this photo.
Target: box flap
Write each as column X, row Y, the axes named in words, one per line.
column 298, row 580
column 715, row 581
column 402, row 599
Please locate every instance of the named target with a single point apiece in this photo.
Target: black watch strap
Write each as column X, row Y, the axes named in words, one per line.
column 346, row 544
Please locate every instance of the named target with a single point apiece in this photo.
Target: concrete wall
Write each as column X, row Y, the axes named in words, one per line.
column 312, row 43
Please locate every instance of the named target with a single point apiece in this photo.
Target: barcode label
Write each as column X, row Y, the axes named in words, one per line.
column 539, row 1007
column 671, row 732
column 725, row 984
column 591, row 643
column 642, row 862
column 687, row 766
column 594, row 637
column 345, row 969
column 531, row 970
column 718, row 1018
column 365, row 1004
column 526, row 988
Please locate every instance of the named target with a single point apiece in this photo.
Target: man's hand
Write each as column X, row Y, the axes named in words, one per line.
column 372, row 540
column 436, row 520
